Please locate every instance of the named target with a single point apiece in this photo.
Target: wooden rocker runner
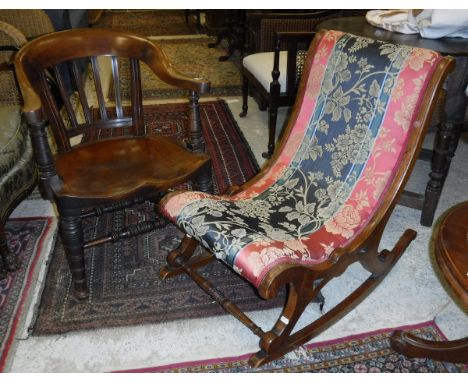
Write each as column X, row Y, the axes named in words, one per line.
column 323, row 200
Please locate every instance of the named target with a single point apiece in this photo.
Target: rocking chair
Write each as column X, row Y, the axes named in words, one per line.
column 324, row 199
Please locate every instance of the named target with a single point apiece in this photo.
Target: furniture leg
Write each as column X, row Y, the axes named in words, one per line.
column 196, row 143
column 447, row 136
column 183, row 255
column 72, row 236
column 223, row 34
column 272, row 117
column 263, row 105
column 273, row 108
column 245, row 96
column 447, row 351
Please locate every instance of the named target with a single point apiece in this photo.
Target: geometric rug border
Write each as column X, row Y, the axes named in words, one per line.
column 201, row 363
column 9, row 338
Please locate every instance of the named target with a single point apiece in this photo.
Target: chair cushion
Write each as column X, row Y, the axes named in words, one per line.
column 13, row 137
column 342, row 154
column 260, row 65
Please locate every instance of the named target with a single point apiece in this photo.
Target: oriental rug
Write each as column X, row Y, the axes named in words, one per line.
column 363, row 353
column 123, row 277
column 191, row 57
column 167, row 22
column 25, row 238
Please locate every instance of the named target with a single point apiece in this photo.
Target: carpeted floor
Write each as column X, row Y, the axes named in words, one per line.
column 225, row 77
column 124, row 287
column 25, row 237
column 363, row 353
column 147, row 22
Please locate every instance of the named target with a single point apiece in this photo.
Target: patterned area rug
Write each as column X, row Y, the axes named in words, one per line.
column 123, row 277
column 225, row 77
column 363, row 353
column 25, row 238
column 147, row 22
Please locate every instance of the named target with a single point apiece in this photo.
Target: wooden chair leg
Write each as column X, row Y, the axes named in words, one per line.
column 272, row 117
column 245, row 97
column 263, row 105
column 272, row 113
column 71, row 230
column 183, row 256
column 204, row 180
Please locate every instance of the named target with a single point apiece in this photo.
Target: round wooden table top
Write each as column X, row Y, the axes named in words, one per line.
column 359, row 26
column 452, row 249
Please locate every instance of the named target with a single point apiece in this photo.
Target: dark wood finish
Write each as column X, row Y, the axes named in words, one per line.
column 455, row 104
column 448, row 351
column 305, row 282
column 233, row 32
column 274, row 98
column 110, row 172
column 451, row 253
column 452, row 250
column 263, row 24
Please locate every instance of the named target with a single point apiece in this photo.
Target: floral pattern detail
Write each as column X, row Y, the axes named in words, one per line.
column 340, row 157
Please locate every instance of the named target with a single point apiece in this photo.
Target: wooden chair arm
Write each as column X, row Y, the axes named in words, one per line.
column 159, row 63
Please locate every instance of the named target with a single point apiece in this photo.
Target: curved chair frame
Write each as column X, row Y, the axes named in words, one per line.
column 306, row 281
column 72, row 195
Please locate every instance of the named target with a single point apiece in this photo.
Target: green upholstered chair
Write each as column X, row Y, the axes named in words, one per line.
column 17, row 167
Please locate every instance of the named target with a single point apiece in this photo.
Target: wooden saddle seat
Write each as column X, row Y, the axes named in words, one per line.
column 124, row 166
column 322, row 202
column 102, row 159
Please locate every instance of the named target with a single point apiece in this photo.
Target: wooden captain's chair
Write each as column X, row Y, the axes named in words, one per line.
column 323, row 200
column 122, row 165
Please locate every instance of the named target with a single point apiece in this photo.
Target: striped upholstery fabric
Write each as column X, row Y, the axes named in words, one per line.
column 355, row 118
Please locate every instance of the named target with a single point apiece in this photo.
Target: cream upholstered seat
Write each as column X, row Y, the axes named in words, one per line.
column 261, row 66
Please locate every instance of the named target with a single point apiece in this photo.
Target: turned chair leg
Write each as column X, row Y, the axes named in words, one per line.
column 204, row 182
column 71, row 230
column 9, row 261
column 245, row 96
column 183, row 256
column 272, row 117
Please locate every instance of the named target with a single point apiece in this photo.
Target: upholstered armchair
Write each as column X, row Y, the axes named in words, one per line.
column 31, row 22
column 17, row 168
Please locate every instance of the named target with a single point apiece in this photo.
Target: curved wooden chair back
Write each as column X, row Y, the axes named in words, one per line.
column 67, row 55
column 323, row 200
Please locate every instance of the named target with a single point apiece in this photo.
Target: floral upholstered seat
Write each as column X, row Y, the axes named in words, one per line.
column 331, row 172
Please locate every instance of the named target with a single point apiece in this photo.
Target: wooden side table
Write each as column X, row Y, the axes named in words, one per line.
column 455, row 105
column 451, row 250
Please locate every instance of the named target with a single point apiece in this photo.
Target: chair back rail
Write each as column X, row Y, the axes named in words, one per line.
column 49, row 50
